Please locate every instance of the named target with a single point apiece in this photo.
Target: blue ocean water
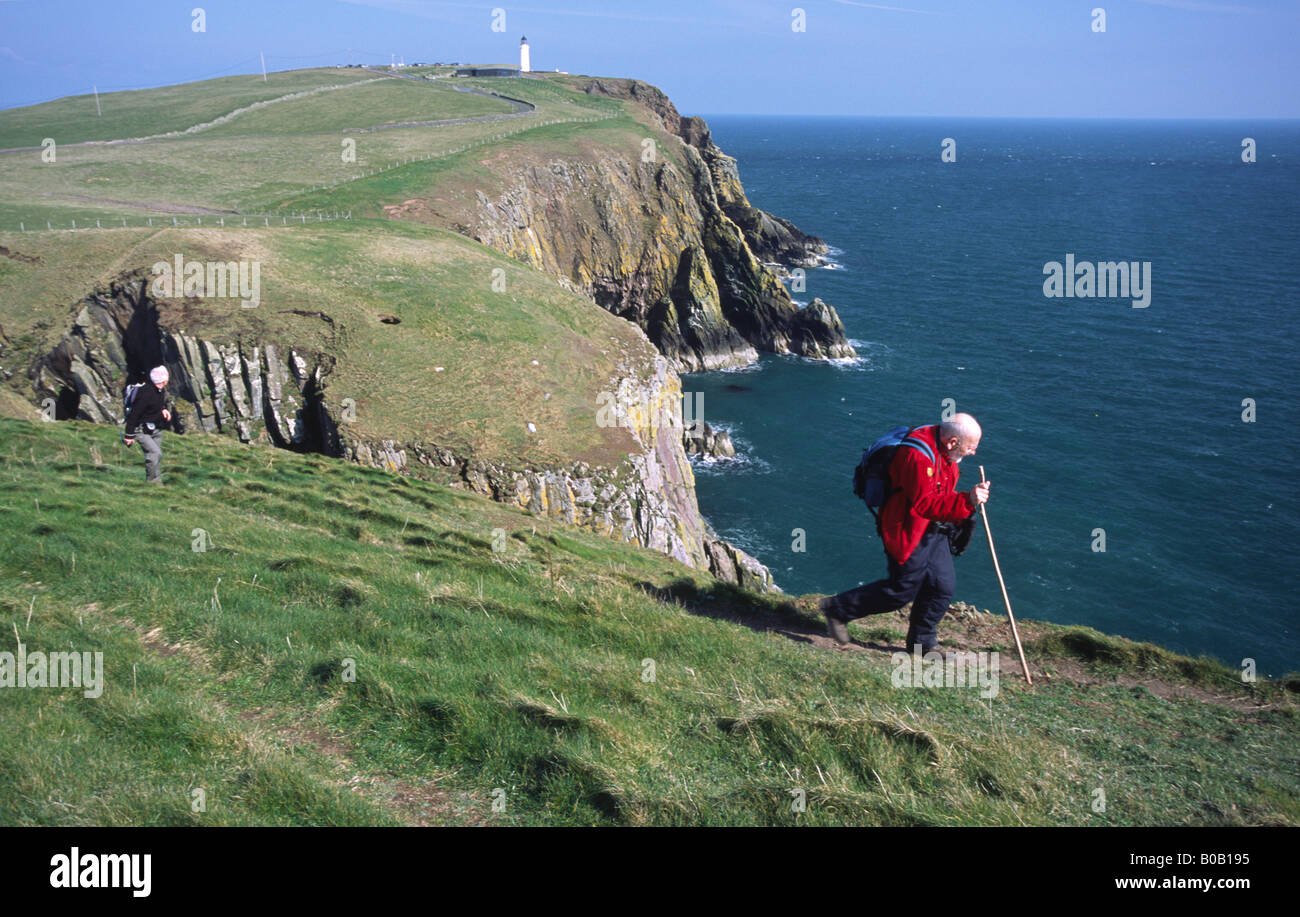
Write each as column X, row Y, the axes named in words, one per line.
column 1096, row 414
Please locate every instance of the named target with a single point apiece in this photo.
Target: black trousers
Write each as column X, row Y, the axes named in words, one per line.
column 927, row 580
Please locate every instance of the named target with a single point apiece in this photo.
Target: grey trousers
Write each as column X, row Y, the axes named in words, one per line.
column 151, row 443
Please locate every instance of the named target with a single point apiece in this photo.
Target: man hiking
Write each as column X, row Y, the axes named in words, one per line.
column 144, row 419
column 924, row 494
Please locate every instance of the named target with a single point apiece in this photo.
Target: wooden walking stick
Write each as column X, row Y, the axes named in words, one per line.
column 998, row 570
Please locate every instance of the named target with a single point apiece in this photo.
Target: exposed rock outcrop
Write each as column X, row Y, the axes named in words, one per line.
column 648, row 500
column 707, row 441
column 770, row 237
column 668, row 242
column 250, row 389
column 818, row 332
column 732, row 565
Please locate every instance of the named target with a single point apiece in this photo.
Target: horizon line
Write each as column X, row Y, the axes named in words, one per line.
column 750, row 114
column 763, row 114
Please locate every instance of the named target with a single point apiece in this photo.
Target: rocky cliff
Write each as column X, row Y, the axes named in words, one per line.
column 648, row 500
column 664, row 238
column 769, row 237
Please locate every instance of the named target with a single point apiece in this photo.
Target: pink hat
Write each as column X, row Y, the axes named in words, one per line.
column 158, row 375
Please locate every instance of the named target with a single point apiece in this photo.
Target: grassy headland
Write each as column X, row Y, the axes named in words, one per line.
column 515, row 665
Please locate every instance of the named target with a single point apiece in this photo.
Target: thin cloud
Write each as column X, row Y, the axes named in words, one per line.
column 418, row 8
column 1198, row 7
column 881, row 6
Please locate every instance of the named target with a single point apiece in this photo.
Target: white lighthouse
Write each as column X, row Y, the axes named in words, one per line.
column 523, row 55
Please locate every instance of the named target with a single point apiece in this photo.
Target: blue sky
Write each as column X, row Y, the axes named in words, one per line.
column 992, row 58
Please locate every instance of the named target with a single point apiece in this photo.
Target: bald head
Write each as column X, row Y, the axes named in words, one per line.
column 959, row 436
column 963, row 426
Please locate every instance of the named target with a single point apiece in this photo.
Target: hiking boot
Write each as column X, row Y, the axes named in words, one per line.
column 836, row 628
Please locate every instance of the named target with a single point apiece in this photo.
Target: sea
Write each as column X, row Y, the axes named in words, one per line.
column 1141, row 449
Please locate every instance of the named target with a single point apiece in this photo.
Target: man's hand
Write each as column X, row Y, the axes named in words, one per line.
column 978, row 494
column 167, row 415
column 128, row 440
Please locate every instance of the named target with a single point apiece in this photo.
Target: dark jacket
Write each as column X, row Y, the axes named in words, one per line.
column 146, row 410
column 927, row 493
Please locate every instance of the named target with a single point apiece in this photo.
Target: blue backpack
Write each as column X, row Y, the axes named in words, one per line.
column 128, row 396
column 871, row 482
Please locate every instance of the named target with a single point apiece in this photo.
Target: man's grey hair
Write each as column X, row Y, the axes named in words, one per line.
column 962, row 426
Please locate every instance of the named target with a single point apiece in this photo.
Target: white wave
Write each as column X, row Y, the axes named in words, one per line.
column 754, row 367
column 872, row 356
column 742, row 462
column 858, row 362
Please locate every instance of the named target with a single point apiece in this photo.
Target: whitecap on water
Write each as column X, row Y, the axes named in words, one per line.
column 871, row 356
column 754, row 367
column 743, row 462
column 859, row 362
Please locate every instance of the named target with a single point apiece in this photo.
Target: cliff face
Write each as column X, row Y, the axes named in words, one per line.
column 267, row 392
column 677, row 249
column 648, row 500
column 769, row 237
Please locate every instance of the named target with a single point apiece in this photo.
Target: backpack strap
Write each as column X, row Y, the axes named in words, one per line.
column 914, row 441
column 911, row 441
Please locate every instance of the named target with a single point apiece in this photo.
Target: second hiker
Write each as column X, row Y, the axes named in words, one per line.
column 145, row 415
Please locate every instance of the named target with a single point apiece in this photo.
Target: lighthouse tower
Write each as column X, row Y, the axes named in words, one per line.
column 523, row 55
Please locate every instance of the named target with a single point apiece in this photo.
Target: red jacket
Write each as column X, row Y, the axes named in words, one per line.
column 928, row 494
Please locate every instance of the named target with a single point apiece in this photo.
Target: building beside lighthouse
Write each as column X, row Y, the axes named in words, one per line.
column 525, row 65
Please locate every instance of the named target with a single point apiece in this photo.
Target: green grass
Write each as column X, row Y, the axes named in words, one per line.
column 259, row 159
column 146, row 112
column 385, row 102
column 519, row 669
column 465, row 172
column 540, row 91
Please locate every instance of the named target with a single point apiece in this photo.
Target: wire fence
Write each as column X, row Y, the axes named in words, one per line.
column 188, row 220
